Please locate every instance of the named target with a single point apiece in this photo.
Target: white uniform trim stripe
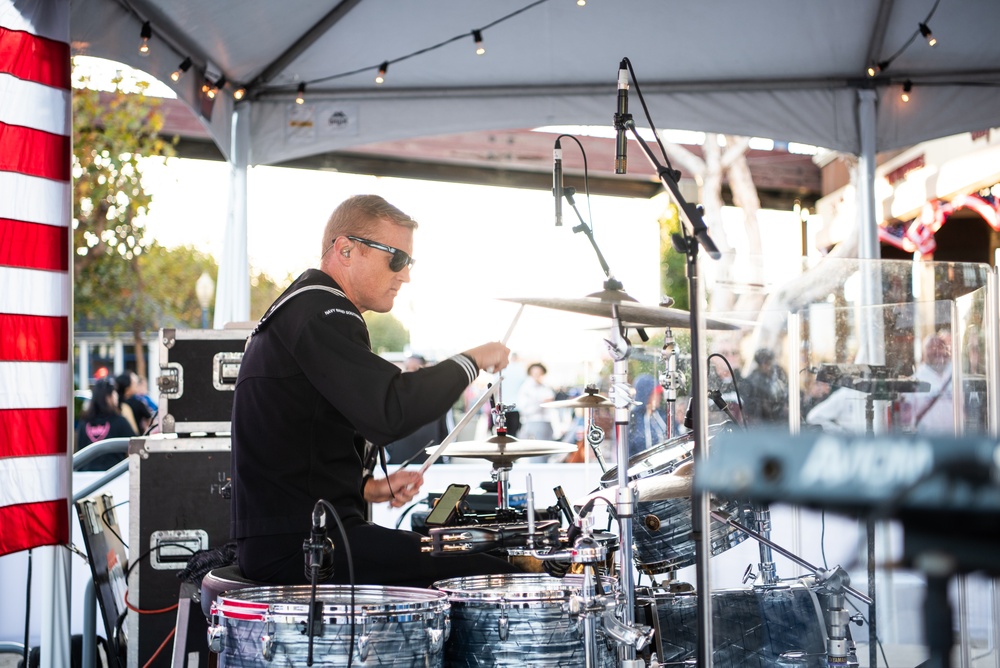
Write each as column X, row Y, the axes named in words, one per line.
column 33, row 105
column 468, row 366
column 34, row 199
column 34, row 292
column 33, row 479
column 34, row 384
column 44, row 19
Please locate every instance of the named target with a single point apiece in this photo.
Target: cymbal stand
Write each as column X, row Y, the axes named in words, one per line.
column 768, row 569
column 595, row 436
column 669, row 378
column 622, row 396
column 501, row 469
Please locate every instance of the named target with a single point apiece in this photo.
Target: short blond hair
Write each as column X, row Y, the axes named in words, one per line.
column 359, row 216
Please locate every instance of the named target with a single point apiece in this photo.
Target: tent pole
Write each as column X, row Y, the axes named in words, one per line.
column 868, row 248
column 232, row 299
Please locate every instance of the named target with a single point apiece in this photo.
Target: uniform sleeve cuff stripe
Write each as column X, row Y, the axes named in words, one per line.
column 470, row 368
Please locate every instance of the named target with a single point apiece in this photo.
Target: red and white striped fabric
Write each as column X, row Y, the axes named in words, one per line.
column 35, row 282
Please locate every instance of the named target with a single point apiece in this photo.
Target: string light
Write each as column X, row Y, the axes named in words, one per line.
column 239, row 93
column 581, row 3
column 300, row 98
column 907, row 87
column 145, row 34
column 181, row 69
column 878, row 69
column 926, row 32
column 382, row 69
column 478, row 36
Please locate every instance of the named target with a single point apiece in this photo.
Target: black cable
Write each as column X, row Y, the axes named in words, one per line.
column 736, row 385
column 27, row 610
column 104, row 518
column 419, row 52
column 350, row 573
column 152, row 425
column 649, row 118
column 586, row 177
column 822, row 537
column 136, row 562
column 899, row 52
column 865, row 619
column 406, row 511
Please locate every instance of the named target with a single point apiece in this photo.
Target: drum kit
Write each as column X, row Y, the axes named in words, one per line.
column 589, row 616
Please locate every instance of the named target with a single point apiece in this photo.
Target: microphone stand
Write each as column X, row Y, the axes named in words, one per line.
column 696, row 233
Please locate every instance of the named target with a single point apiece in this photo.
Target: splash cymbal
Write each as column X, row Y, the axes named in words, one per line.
column 504, row 449
column 631, row 313
column 591, row 399
column 676, row 485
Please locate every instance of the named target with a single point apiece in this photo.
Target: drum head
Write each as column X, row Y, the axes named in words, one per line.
column 662, row 458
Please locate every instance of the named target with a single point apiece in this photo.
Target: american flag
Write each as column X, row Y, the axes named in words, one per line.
column 35, row 281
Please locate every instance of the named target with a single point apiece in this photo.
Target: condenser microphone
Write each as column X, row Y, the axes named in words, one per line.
column 557, row 180
column 621, row 140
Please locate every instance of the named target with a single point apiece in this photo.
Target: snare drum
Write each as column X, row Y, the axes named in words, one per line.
column 393, row 626
column 661, row 530
column 760, row 626
column 519, row 619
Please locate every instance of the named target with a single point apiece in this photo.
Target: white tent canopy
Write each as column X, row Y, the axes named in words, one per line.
column 784, row 69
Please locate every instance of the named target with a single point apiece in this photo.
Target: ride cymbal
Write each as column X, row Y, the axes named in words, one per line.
column 501, row 449
column 629, row 312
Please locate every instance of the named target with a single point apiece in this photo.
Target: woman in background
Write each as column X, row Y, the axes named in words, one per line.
column 101, row 421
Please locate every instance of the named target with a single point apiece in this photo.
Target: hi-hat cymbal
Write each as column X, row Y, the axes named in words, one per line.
column 504, row 449
column 589, row 400
column 631, row 313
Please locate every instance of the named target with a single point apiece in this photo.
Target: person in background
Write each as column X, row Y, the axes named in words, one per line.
column 102, row 420
column 647, row 425
column 535, row 421
column 133, row 408
column 765, row 391
column 412, row 448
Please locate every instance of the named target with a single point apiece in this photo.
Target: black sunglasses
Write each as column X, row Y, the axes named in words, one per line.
column 399, row 260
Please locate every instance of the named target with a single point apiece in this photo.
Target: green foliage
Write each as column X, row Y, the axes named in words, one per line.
column 673, row 263
column 111, row 132
column 387, row 333
column 264, row 291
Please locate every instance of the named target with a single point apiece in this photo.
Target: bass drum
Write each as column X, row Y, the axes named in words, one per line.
column 519, row 619
column 661, row 530
column 265, row 627
column 780, row 626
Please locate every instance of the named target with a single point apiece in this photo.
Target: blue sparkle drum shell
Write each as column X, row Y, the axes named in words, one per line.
column 759, row 627
column 264, row 627
column 662, row 541
column 534, row 608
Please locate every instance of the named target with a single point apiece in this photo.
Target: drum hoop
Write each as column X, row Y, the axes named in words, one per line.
column 685, row 443
column 255, row 603
column 488, row 589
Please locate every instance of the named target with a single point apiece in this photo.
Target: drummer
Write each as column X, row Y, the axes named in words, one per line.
column 310, row 393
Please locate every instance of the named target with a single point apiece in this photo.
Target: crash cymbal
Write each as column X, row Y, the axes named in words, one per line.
column 631, row 313
column 591, row 399
column 503, row 449
column 619, row 296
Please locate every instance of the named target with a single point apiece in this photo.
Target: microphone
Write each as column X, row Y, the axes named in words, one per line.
column 621, row 141
column 318, row 548
column 722, row 405
column 563, row 505
column 557, row 180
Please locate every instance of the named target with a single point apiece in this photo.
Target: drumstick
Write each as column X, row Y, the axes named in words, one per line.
column 510, row 330
column 458, row 427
